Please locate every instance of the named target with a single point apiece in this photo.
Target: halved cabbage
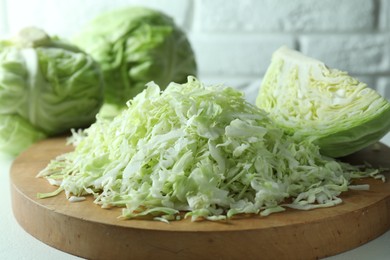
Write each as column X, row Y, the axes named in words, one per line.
column 312, row 101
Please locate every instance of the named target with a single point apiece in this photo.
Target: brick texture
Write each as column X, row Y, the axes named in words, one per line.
column 236, row 54
column 285, row 15
column 384, row 86
column 384, row 15
column 234, row 40
column 66, row 17
column 358, row 54
column 3, row 19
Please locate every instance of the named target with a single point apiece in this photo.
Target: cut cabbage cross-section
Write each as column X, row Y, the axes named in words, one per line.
column 312, row 101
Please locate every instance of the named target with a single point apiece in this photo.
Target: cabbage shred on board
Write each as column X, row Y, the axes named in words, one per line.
column 199, row 149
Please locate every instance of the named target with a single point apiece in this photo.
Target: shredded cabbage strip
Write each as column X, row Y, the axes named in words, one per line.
column 198, row 149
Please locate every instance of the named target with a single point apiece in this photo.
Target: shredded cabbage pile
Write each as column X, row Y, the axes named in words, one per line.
column 203, row 150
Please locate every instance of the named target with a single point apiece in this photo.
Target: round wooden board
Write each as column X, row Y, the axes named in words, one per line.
column 84, row 229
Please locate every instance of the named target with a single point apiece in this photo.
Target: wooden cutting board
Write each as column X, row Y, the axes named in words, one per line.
column 84, row 229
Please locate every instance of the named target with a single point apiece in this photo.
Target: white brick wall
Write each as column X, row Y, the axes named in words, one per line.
column 236, row 54
column 367, row 53
column 285, row 15
column 384, row 15
column 3, row 18
column 383, row 86
column 64, row 17
column 234, row 40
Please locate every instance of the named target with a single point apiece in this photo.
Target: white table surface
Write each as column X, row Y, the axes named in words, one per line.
column 16, row 244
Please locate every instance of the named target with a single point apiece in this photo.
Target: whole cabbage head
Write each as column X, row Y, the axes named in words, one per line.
column 47, row 86
column 136, row 45
column 312, row 101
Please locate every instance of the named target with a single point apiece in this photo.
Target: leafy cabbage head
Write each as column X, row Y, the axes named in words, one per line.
column 47, row 86
column 312, row 101
column 136, row 45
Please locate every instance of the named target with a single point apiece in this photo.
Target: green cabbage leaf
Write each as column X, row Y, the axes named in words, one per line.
column 47, row 87
column 327, row 106
column 133, row 46
column 203, row 150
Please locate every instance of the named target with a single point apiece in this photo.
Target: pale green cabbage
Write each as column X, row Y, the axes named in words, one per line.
column 47, row 87
column 327, row 106
column 16, row 134
column 200, row 149
column 135, row 45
